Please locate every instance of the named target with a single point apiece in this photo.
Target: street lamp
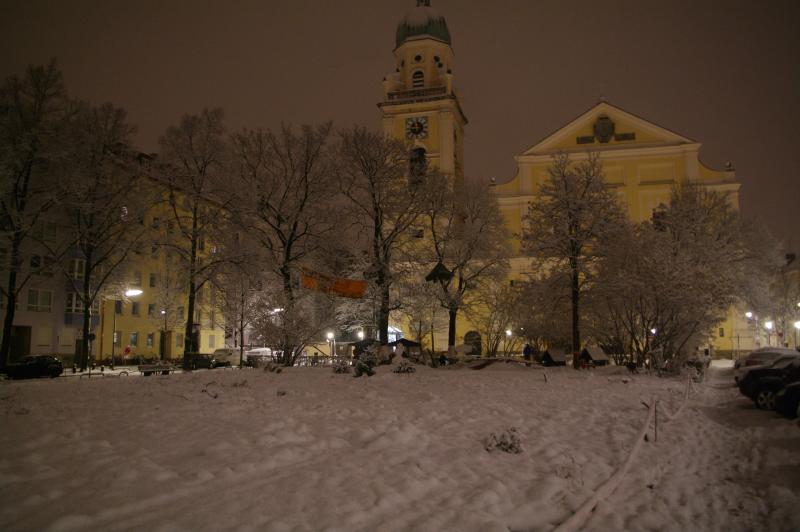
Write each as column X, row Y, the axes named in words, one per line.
column 163, row 342
column 332, row 341
column 748, row 314
column 360, row 335
column 796, row 328
column 131, row 292
column 769, row 325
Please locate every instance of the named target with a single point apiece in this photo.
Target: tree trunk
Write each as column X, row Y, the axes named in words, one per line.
column 11, row 304
column 189, row 340
column 241, row 331
column 575, row 292
column 87, row 311
column 451, row 330
column 383, row 309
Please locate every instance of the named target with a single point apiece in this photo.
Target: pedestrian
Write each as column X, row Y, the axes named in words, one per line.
column 527, row 351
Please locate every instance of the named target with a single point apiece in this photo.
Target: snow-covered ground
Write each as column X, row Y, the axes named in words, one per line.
column 310, row 450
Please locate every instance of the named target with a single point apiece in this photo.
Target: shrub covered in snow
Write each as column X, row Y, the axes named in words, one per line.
column 404, row 367
column 508, row 441
column 366, row 363
column 340, row 365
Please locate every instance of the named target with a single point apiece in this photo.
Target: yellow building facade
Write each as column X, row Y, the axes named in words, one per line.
column 642, row 161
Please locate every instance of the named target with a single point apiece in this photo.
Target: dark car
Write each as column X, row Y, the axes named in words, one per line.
column 787, row 401
column 761, row 384
column 33, row 366
column 200, row 361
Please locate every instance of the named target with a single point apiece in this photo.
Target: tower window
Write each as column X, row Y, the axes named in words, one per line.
column 417, row 58
column 436, row 59
column 418, row 80
column 418, row 165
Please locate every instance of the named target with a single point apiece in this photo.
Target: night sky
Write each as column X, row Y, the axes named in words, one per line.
column 725, row 73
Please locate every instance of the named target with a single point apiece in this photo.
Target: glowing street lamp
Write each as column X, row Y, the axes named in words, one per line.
column 332, row 341
column 131, row 292
column 653, row 331
column 360, row 335
column 769, row 325
column 748, row 314
column 796, row 328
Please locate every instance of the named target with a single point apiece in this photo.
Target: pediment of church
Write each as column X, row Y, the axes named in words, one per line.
column 605, row 126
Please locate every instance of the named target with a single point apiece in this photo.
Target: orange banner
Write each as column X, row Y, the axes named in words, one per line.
column 351, row 288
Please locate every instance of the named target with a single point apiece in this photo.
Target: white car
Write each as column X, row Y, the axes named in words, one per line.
column 259, row 355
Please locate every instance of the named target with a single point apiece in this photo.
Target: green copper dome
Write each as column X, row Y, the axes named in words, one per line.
column 422, row 21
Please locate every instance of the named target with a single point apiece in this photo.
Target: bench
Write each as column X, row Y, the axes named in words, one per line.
column 150, row 369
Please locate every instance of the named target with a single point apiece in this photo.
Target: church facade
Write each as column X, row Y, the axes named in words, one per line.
column 642, row 161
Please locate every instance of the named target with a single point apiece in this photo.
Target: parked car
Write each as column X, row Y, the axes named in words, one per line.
column 201, row 361
column 787, row 400
column 761, row 384
column 225, row 356
column 257, row 356
column 33, row 366
column 765, row 356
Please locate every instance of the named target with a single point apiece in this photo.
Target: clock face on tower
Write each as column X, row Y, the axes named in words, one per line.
column 417, row 127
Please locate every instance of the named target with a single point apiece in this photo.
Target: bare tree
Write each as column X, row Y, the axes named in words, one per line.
column 469, row 240
column 384, row 203
column 287, row 179
column 105, row 202
column 573, row 215
column 239, row 282
column 496, row 314
column 168, row 297
column 194, row 163
column 33, row 112
column 667, row 283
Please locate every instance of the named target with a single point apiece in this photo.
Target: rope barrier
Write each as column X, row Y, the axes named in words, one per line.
column 581, row 515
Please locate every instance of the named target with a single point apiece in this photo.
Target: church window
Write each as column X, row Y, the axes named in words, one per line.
column 417, row 165
column 436, row 59
column 417, row 58
column 418, row 79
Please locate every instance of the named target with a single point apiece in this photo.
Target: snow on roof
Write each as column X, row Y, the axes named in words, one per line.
column 594, row 352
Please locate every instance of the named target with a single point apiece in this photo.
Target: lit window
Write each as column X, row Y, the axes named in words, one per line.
column 150, row 339
column 211, row 341
column 117, row 338
column 134, row 339
column 179, row 340
column 151, row 310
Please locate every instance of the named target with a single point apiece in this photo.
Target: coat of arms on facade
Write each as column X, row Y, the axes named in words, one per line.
column 604, row 129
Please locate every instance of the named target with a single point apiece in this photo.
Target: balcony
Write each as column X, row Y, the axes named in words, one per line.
column 416, row 95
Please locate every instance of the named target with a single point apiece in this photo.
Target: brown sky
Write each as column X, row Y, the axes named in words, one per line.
column 725, row 73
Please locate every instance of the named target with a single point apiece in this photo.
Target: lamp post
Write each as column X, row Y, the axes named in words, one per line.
column 163, row 342
column 332, row 342
column 796, row 328
column 768, row 325
column 133, row 292
column 508, row 338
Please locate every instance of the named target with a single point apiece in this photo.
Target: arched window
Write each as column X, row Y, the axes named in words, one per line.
column 418, row 80
column 418, row 165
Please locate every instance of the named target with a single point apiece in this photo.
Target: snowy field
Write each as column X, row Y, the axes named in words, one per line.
column 310, row 450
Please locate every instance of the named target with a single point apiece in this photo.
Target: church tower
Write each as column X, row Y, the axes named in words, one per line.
column 420, row 103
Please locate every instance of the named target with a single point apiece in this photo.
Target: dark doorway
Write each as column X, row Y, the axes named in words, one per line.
column 20, row 341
